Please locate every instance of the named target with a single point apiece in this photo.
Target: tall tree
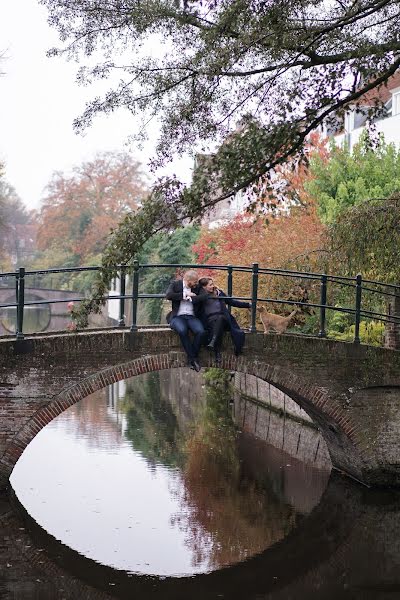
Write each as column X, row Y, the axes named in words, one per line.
column 1, row 196
column 17, row 227
column 247, row 77
column 370, row 171
column 291, row 241
column 366, row 238
column 275, row 69
column 80, row 210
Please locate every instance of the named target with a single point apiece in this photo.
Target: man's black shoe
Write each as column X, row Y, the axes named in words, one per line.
column 195, row 365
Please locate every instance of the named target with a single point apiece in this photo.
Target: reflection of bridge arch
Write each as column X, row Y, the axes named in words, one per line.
column 351, row 392
column 324, row 555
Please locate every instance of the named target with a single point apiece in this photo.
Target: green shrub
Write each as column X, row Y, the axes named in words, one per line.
column 370, row 333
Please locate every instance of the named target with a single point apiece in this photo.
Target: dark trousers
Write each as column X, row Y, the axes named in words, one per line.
column 217, row 325
column 182, row 325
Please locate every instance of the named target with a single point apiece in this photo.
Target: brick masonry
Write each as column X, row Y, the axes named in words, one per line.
column 351, row 392
column 251, row 386
column 297, row 439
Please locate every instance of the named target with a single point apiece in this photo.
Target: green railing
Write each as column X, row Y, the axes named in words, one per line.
column 129, row 276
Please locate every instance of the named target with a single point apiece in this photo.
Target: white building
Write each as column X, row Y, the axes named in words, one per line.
column 388, row 124
column 222, row 213
column 113, row 305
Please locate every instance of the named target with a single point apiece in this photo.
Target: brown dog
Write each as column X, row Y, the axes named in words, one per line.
column 275, row 322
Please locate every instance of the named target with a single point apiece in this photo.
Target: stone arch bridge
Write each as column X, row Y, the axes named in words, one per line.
column 351, row 391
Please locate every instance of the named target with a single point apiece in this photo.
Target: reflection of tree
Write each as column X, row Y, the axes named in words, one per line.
column 240, row 515
column 90, row 420
column 152, row 427
column 228, row 512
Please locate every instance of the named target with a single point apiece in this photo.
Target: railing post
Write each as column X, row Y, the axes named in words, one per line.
column 254, row 293
column 16, row 290
column 20, row 303
column 135, row 293
column 122, row 276
column 358, row 309
column 322, row 318
column 229, row 287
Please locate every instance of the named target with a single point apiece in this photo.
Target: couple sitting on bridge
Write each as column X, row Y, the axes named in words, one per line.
column 200, row 307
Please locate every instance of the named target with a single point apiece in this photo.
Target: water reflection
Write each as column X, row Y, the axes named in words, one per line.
column 225, row 496
column 347, row 548
column 152, row 476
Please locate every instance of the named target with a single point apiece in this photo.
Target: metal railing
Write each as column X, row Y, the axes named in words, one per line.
column 355, row 287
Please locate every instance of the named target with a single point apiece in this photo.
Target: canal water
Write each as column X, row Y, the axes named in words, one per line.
column 183, row 485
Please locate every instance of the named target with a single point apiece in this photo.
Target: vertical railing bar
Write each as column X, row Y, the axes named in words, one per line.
column 358, row 309
column 135, row 293
column 322, row 332
column 229, row 288
column 20, row 304
column 16, row 289
column 16, row 301
column 122, row 275
column 254, row 292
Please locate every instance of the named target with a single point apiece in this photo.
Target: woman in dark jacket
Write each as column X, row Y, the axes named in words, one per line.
column 216, row 318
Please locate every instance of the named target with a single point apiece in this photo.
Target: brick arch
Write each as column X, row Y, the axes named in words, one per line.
column 335, row 424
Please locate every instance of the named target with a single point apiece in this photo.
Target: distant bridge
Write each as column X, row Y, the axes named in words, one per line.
column 50, row 313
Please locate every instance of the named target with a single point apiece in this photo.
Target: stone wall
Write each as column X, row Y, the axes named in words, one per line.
column 300, row 440
column 251, row 386
column 272, row 416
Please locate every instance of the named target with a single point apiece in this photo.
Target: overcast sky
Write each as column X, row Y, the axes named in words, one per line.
column 39, row 99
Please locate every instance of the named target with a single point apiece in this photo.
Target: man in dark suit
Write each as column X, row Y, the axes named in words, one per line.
column 184, row 315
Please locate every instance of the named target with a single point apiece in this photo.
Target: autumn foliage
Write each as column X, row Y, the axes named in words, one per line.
column 274, row 244
column 290, row 241
column 289, row 184
column 79, row 210
column 289, row 235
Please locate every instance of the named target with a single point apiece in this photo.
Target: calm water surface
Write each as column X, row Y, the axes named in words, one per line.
column 163, row 486
column 147, row 479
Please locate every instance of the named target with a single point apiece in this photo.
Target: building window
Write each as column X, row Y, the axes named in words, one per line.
column 396, row 104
